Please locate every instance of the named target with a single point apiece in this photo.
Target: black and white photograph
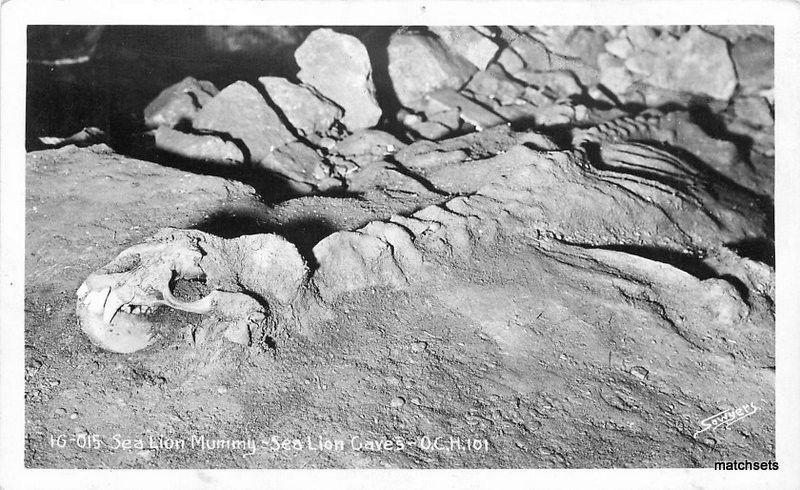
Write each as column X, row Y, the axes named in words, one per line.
column 398, row 246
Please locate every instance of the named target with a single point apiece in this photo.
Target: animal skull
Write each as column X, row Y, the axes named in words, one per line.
column 115, row 302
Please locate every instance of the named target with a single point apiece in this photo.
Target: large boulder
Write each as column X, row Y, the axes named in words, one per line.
column 698, row 62
column 338, row 66
column 240, row 112
column 754, row 59
column 420, row 64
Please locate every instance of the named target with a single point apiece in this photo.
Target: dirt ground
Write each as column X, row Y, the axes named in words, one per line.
column 512, row 358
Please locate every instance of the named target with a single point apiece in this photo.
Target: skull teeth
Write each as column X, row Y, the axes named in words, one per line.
column 112, row 306
column 137, row 309
column 96, row 300
column 107, row 302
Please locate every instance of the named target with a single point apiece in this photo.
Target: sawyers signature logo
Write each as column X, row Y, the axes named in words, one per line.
column 726, row 418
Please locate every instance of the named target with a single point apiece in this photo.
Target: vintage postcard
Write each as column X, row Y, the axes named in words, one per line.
column 487, row 238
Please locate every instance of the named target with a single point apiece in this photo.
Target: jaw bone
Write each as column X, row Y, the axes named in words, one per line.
column 108, row 303
column 123, row 334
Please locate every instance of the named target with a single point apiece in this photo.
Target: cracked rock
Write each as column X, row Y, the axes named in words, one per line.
column 242, row 113
column 616, row 78
column 470, row 111
column 338, row 66
column 302, row 164
column 753, row 57
column 420, row 64
column 179, row 103
column 620, row 47
column 524, row 52
column 239, row 113
column 562, row 82
column 435, row 126
column 754, row 110
column 312, row 114
column 586, row 43
column 698, row 62
column 494, row 84
column 368, row 142
column 469, row 43
column 555, row 38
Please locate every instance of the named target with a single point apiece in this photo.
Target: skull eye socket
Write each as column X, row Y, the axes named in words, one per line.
column 189, row 288
column 123, row 263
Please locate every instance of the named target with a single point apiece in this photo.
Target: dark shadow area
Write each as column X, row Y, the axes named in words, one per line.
column 221, row 54
column 738, row 285
column 561, row 134
column 376, row 39
column 126, row 67
column 688, row 263
column 403, row 170
column 691, row 264
column 279, row 112
column 303, row 233
column 141, row 61
column 758, row 249
column 62, row 100
column 719, row 186
column 121, row 68
column 723, row 188
column 714, row 126
column 271, row 187
column 591, row 103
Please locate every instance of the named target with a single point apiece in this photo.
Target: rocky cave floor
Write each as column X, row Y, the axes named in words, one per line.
column 530, row 350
